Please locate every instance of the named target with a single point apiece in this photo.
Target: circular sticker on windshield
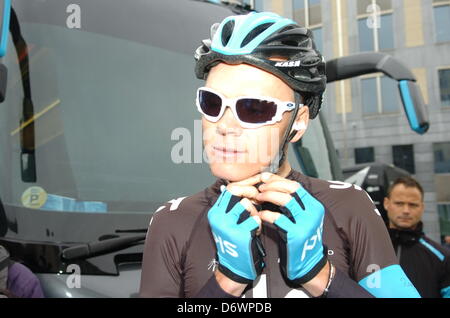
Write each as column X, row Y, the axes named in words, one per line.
column 34, row 197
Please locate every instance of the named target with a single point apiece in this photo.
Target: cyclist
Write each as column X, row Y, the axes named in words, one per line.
column 263, row 229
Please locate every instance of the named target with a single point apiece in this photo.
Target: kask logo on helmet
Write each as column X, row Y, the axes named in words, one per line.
column 288, row 64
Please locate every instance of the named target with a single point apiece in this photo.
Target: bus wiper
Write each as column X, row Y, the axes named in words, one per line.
column 27, row 131
column 131, row 231
column 97, row 248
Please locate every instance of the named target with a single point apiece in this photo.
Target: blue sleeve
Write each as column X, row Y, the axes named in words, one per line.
column 343, row 286
column 389, row 282
column 445, row 292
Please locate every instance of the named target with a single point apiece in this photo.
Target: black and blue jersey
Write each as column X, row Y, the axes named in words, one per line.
column 180, row 251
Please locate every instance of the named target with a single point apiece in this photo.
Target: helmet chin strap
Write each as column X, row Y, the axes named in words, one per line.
column 280, row 157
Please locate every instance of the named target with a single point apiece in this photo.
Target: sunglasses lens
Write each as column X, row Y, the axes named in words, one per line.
column 210, row 103
column 255, row 111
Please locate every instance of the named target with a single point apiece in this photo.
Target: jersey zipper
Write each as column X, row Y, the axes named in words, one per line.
column 399, row 252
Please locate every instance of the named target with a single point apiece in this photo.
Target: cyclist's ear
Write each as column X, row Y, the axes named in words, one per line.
column 300, row 124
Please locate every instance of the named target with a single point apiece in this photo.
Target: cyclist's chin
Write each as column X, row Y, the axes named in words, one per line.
column 234, row 172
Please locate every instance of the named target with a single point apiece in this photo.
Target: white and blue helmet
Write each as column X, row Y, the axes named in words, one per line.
column 254, row 39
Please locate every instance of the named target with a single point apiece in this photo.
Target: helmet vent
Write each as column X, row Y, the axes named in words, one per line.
column 255, row 32
column 291, row 43
column 287, row 28
column 227, row 31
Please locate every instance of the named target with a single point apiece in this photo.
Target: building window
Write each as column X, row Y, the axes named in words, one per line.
column 258, row 5
column 384, row 5
column 444, row 218
column 364, row 155
column 444, row 86
column 404, row 157
column 441, row 151
column 318, row 40
column 375, row 33
column 379, row 95
column 389, row 95
column 441, row 10
column 368, row 92
column 308, row 13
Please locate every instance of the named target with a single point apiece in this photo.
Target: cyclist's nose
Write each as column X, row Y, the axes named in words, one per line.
column 228, row 124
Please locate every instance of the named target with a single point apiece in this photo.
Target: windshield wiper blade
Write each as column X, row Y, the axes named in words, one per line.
column 97, row 248
column 26, row 124
column 132, row 231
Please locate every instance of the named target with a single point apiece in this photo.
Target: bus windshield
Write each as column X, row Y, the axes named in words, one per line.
column 89, row 148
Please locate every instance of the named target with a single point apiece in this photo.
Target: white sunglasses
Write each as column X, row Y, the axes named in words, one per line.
column 250, row 111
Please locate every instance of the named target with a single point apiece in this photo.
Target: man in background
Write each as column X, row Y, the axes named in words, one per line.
column 425, row 262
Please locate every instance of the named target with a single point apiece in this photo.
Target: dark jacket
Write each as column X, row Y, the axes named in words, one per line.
column 425, row 262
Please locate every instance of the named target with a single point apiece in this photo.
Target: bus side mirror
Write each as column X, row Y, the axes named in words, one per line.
column 5, row 14
column 414, row 106
column 373, row 62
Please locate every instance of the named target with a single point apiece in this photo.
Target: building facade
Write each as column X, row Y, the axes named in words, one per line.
column 365, row 114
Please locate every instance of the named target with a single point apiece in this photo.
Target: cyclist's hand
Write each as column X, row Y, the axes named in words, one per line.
column 234, row 223
column 247, row 189
column 300, row 227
